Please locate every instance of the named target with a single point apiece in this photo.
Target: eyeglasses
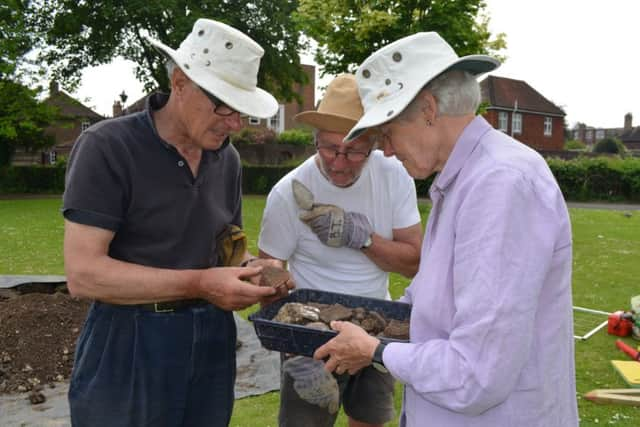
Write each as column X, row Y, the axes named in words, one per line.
column 219, row 107
column 352, row 156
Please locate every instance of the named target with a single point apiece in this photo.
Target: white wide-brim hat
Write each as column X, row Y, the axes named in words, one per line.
column 224, row 62
column 391, row 77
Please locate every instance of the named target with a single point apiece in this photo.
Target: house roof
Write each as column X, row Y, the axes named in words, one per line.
column 501, row 92
column 69, row 106
column 631, row 135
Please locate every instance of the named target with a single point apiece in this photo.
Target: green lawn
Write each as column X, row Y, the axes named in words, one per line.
column 606, row 275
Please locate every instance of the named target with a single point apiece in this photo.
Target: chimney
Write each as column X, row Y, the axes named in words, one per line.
column 628, row 121
column 117, row 109
column 582, row 128
column 53, row 87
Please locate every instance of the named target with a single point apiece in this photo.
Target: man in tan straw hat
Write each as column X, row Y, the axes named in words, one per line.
column 146, row 196
column 491, row 319
column 342, row 220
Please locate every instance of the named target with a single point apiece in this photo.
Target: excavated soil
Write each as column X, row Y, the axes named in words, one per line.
column 38, row 332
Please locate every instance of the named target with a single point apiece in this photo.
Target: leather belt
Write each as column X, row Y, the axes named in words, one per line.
column 171, row 306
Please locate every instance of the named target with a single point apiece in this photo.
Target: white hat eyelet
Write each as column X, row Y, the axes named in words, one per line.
column 186, row 66
column 387, row 82
column 389, row 113
column 205, row 51
column 228, row 45
column 397, row 56
column 201, row 33
column 366, row 74
column 207, row 63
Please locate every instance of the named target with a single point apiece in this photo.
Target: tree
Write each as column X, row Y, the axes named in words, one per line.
column 22, row 120
column 22, row 117
column 87, row 33
column 348, row 31
column 610, row 146
column 15, row 40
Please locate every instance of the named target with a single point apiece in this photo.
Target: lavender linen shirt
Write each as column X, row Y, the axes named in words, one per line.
column 491, row 326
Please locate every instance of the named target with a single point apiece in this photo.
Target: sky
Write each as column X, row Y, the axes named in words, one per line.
column 580, row 54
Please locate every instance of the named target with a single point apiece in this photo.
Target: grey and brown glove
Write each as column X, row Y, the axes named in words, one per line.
column 333, row 226
column 337, row 228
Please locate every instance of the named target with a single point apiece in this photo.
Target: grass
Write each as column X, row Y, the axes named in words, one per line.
column 605, row 276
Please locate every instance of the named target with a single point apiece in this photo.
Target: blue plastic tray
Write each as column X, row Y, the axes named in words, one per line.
column 297, row 339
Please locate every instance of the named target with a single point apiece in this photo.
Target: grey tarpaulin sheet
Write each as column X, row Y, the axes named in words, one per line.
column 258, row 372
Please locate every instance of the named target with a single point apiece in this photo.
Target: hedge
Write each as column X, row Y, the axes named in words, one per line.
column 582, row 179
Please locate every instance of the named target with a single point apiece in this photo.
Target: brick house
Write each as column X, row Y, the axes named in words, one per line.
column 283, row 120
column 74, row 118
column 629, row 135
column 519, row 110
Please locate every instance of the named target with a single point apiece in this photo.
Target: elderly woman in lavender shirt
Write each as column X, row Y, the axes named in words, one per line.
column 491, row 324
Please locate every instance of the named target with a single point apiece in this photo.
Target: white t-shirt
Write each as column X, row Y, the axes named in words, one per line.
column 384, row 192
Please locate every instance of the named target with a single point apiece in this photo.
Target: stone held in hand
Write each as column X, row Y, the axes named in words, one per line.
column 274, row 276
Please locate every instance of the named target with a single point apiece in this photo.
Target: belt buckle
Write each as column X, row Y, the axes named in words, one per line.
column 160, row 310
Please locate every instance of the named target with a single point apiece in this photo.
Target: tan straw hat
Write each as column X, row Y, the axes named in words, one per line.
column 224, row 62
column 392, row 76
column 340, row 108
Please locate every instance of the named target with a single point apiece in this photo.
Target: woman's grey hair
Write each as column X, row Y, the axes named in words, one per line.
column 170, row 65
column 456, row 92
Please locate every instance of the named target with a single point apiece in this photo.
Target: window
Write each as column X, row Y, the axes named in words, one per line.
column 277, row 122
column 588, row 136
column 52, row 157
column 85, row 125
column 599, row 134
column 254, row 121
column 503, row 121
column 548, row 126
column 516, row 122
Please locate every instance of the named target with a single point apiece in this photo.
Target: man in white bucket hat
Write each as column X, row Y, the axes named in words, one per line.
column 491, row 323
column 146, row 196
column 343, row 220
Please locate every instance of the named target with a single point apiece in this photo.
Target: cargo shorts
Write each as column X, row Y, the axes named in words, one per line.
column 366, row 396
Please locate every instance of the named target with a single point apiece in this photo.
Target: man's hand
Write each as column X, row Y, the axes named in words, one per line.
column 230, row 288
column 335, row 227
column 351, row 350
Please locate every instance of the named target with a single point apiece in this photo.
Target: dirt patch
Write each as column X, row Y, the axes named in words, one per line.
column 38, row 333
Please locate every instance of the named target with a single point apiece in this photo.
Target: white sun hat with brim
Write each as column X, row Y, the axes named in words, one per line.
column 224, row 62
column 391, row 77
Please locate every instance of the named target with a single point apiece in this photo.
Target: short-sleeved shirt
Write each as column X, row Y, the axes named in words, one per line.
column 122, row 176
column 384, row 192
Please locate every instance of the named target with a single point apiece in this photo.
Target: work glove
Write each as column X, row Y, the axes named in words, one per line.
column 337, row 228
column 313, row 383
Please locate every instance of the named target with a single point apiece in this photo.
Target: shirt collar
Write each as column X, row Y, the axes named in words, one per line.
column 464, row 146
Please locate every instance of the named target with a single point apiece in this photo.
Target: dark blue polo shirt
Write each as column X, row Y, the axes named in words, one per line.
column 121, row 176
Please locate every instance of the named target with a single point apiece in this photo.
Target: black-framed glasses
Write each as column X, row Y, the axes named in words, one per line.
column 332, row 154
column 219, row 107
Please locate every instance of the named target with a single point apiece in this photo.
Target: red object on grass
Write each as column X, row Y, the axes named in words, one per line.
column 631, row 352
column 619, row 324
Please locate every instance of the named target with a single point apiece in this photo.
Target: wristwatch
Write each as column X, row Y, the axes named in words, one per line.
column 367, row 243
column 377, row 361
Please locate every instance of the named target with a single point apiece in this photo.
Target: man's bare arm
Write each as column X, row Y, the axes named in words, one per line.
column 92, row 273
column 400, row 255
